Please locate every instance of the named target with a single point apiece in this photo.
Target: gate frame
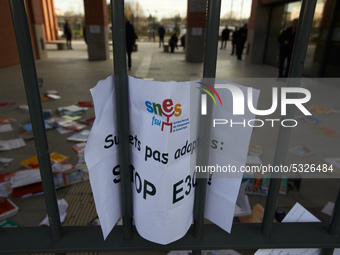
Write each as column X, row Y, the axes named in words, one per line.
column 58, row 239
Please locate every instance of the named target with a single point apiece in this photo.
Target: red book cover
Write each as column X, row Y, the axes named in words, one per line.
column 7, row 208
column 6, row 177
column 28, row 189
column 85, row 104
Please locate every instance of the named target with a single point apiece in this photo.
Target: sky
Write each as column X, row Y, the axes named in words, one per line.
column 165, row 8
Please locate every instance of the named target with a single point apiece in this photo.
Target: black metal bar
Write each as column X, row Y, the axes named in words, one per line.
column 301, row 41
column 295, row 73
column 327, row 251
column 211, row 38
column 302, row 12
column 122, row 111
column 271, row 201
column 23, row 38
column 209, row 70
column 90, row 239
column 334, row 225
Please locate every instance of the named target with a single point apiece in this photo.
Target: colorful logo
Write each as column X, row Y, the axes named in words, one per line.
column 167, row 109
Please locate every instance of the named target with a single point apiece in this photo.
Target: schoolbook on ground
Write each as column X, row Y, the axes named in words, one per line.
column 8, row 224
column 79, row 137
column 301, row 151
column 33, row 163
column 6, row 145
column 7, row 208
column 260, row 185
column 79, row 147
column 28, row 182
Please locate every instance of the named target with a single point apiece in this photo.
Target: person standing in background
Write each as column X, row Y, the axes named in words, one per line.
column 233, row 41
column 241, row 39
column 68, row 35
column 225, row 37
column 161, row 33
column 183, row 40
column 286, row 40
column 131, row 38
column 173, row 42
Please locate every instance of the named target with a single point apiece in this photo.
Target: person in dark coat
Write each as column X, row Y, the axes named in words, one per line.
column 286, row 40
column 173, row 42
column 68, row 35
column 161, row 33
column 183, row 40
column 225, row 37
column 233, row 41
column 241, row 38
column 84, row 34
column 131, row 38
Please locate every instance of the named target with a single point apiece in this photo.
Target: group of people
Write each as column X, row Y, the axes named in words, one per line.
column 285, row 39
column 286, row 42
column 239, row 38
column 173, row 41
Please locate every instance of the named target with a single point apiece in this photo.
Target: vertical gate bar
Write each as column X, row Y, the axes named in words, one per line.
column 209, row 71
column 269, row 212
column 23, row 38
column 334, row 225
column 302, row 12
column 122, row 111
column 294, row 76
column 211, row 38
column 327, row 251
column 301, row 42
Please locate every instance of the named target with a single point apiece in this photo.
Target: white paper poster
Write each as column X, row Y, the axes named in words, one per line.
column 164, row 140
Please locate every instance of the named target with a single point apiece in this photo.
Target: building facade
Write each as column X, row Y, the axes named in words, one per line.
column 43, row 27
column 270, row 17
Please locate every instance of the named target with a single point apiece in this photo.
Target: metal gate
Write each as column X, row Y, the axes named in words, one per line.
column 57, row 239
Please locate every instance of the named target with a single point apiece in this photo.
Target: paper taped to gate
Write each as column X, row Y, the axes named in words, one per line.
column 164, row 141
